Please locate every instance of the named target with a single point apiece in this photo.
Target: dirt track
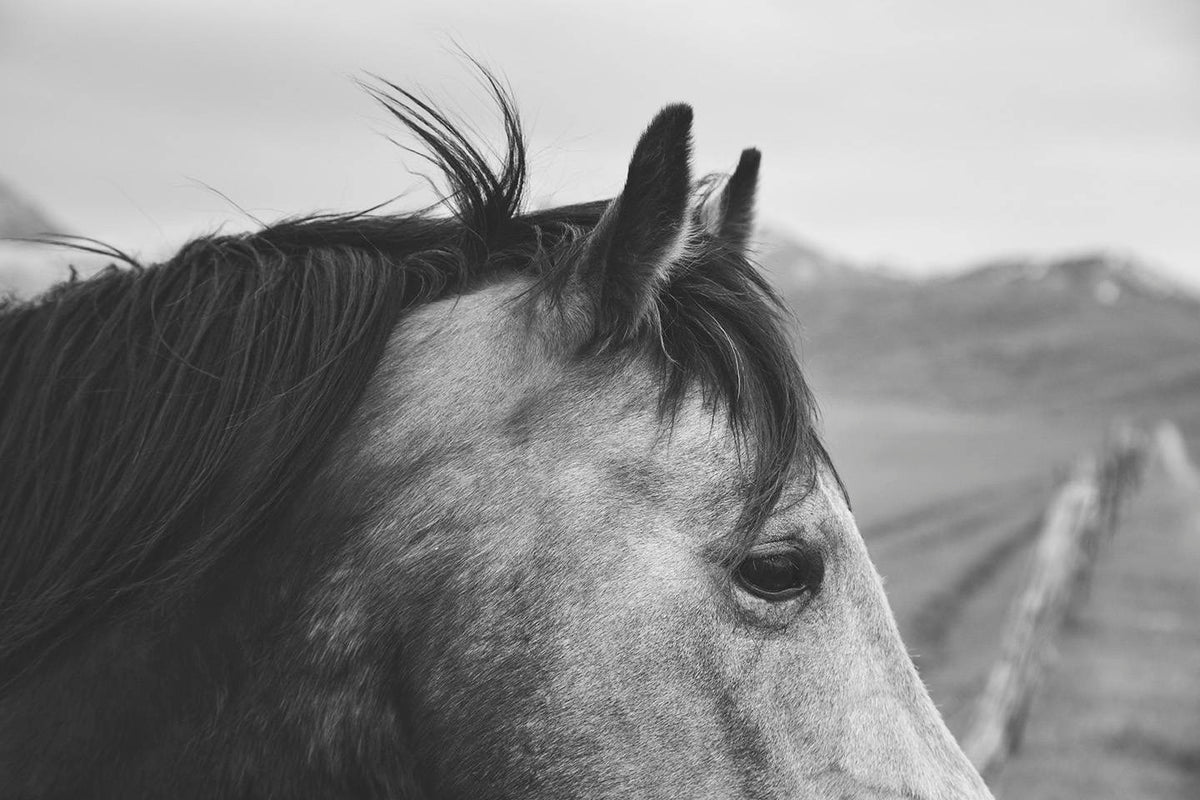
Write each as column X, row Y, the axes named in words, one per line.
column 1119, row 715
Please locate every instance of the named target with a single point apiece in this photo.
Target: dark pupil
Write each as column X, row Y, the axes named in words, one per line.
column 779, row 576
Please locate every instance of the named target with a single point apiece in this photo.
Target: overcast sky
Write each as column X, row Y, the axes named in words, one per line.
column 925, row 133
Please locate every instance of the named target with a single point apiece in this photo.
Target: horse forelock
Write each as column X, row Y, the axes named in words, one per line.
column 157, row 418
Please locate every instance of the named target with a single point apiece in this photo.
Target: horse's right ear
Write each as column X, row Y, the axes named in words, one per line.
column 642, row 233
column 727, row 213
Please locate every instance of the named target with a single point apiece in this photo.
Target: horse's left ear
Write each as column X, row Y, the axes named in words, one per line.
column 643, row 232
column 727, row 213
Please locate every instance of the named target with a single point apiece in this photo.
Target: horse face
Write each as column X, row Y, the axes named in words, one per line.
column 553, row 591
column 552, row 566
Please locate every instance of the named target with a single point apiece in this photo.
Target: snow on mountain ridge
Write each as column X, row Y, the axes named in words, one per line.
column 1103, row 274
column 1106, row 275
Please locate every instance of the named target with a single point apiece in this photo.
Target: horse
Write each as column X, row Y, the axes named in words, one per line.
column 468, row 502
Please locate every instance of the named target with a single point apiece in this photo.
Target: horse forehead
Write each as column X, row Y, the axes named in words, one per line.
column 478, row 361
column 463, row 341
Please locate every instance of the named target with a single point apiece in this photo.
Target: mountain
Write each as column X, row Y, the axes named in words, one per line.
column 1093, row 333
column 1106, row 276
column 20, row 217
column 794, row 263
column 27, row 269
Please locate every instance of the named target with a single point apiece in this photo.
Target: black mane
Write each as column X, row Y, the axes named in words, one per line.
column 153, row 418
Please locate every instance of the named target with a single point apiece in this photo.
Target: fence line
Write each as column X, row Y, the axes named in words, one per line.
column 1079, row 520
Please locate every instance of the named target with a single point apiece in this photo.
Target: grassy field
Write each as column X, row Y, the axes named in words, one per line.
column 950, row 504
column 901, row 461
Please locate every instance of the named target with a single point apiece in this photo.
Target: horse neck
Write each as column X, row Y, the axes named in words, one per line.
column 101, row 719
column 218, row 699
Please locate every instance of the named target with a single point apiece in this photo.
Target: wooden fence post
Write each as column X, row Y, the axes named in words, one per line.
column 1078, row 521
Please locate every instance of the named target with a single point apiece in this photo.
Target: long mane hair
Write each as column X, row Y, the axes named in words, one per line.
column 153, row 419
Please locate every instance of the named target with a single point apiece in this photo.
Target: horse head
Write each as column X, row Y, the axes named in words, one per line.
column 570, row 530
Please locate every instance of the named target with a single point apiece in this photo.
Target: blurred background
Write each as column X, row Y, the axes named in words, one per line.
column 985, row 216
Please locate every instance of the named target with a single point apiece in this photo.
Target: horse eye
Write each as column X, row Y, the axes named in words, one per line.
column 781, row 576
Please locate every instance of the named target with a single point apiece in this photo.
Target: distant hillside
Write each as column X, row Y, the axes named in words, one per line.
column 27, row 269
column 19, row 216
column 794, row 263
column 1106, row 276
column 1089, row 332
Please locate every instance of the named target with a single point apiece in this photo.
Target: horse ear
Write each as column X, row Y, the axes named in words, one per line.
column 728, row 212
column 642, row 233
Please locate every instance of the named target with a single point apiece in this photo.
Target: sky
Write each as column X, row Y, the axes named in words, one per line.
column 927, row 134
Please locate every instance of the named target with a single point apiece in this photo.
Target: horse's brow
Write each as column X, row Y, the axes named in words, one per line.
column 641, row 477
